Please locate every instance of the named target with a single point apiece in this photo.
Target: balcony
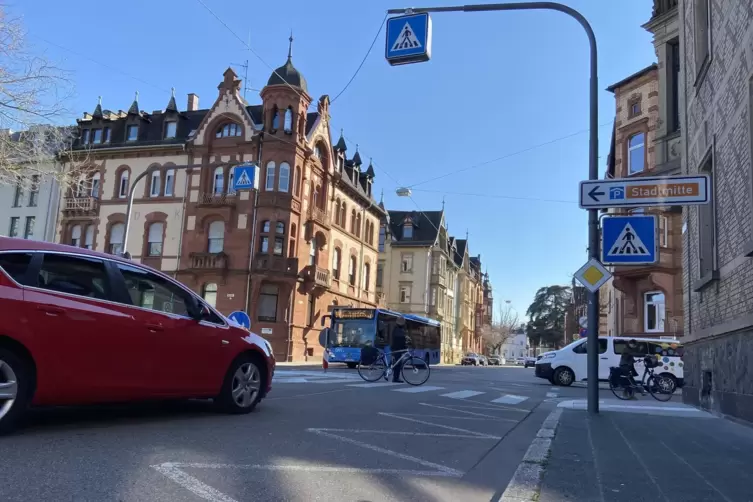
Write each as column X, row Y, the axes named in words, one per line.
column 208, row 261
column 212, row 199
column 439, row 279
column 270, row 264
column 319, row 276
column 82, row 206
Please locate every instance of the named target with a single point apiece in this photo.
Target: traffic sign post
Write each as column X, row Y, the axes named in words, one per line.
column 241, row 318
column 637, row 192
column 245, row 177
column 629, row 240
column 408, row 39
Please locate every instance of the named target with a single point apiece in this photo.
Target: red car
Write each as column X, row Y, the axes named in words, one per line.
column 82, row 327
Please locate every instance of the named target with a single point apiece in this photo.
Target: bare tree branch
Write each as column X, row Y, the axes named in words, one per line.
column 502, row 328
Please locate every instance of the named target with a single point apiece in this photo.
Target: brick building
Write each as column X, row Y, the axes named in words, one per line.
column 644, row 300
column 716, row 39
column 286, row 254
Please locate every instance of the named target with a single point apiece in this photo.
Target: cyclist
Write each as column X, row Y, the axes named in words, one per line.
column 627, row 362
column 398, row 343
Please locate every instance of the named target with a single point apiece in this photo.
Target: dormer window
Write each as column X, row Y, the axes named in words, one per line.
column 408, row 230
column 107, row 134
column 85, row 137
column 228, row 131
column 133, row 133
column 96, row 136
column 171, row 128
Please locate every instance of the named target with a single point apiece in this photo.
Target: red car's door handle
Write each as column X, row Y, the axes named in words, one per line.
column 52, row 311
column 155, row 327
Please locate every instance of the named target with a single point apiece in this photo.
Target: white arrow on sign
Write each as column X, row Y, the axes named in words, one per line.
column 645, row 191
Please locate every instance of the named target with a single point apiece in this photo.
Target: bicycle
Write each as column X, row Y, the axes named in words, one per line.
column 373, row 366
column 656, row 385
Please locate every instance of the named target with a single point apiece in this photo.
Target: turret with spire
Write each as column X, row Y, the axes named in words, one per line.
column 171, row 105
column 287, row 74
column 98, row 110
column 134, row 109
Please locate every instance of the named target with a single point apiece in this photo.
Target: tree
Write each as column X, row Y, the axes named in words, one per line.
column 547, row 315
column 501, row 330
column 32, row 100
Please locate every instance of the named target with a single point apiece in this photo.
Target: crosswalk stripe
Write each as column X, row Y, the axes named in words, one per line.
column 375, row 384
column 509, row 399
column 415, row 390
column 462, row 394
column 551, row 394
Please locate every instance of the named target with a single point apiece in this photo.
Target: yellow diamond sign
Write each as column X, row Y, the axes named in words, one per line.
column 593, row 275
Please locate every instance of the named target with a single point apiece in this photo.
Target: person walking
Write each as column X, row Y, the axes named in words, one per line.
column 398, row 346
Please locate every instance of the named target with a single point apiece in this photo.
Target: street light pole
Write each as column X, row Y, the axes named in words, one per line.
column 593, row 168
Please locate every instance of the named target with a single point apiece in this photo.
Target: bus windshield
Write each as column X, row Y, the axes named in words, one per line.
column 353, row 332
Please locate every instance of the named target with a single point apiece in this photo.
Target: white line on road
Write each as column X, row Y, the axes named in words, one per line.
column 551, row 394
column 375, row 384
column 462, row 394
column 442, row 470
column 425, row 422
column 190, row 483
column 406, row 433
column 306, row 395
column 485, row 407
column 415, row 390
column 510, row 399
column 467, row 412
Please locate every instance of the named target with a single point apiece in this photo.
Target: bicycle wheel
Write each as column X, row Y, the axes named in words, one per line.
column 660, row 387
column 374, row 371
column 621, row 391
column 416, row 371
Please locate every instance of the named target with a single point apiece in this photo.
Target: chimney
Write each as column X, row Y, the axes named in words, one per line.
column 193, row 102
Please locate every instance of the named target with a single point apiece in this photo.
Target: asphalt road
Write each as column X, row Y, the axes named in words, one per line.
column 316, row 437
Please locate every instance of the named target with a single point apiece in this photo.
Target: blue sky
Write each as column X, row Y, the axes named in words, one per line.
column 498, row 83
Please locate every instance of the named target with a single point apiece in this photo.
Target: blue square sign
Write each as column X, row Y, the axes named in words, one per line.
column 244, row 177
column 408, row 39
column 629, row 240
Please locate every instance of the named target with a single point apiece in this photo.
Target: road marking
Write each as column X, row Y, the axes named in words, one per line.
column 487, row 417
column 415, row 390
column 462, row 394
column 406, row 433
column 190, row 483
column 551, row 394
column 441, row 469
column 484, row 406
column 510, row 399
column 305, row 395
column 375, row 384
column 425, row 422
column 447, row 416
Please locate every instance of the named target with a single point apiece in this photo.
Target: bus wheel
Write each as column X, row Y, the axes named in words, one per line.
column 352, row 365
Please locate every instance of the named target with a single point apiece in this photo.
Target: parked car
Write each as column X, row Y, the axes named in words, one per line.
column 496, row 360
column 520, row 361
column 471, row 359
column 88, row 327
column 483, row 360
column 529, row 362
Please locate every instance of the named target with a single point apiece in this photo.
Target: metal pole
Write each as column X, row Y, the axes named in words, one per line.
column 593, row 168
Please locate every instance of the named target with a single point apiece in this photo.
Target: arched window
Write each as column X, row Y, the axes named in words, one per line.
column 358, row 224
column 210, row 293
column 229, row 130
column 291, row 244
column 169, row 182
column 317, row 152
column 76, row 236
column 315, row 197
column 337, row 211
column 284, row 183
column 288, row 126
column 123, row 184
column 154, row 186
column 352, row 271
column 343, row 214
column 218, row 183
column 366, row 276
column 216, row 239
column 95, row 186
column 275, row 119
column 312, row 252
column 89, row 237
column 352, row 221
column 336, row 261
column 297, row 182
column 270, row 179
column 154, row 239
column 115, row 245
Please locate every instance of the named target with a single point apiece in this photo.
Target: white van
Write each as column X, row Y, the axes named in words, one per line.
column 569, row 364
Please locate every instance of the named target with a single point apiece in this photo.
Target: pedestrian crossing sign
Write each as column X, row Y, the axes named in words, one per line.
column 244, row 177
column 629, row 240
column 408, row 39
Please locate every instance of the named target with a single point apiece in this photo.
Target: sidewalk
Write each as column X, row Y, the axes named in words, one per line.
column 642, row 456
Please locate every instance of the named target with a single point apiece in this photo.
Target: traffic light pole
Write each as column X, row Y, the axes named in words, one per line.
column 593, row 168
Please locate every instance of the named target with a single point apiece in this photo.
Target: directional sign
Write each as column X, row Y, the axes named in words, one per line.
column 245, row 177
column 241, row 318
column 593, row 275
column 656, row 191
column 583, row 322
column 629, row 240
column 408, row 39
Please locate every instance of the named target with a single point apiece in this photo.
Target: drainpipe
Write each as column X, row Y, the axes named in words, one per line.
column 49, row 208
column 360, row 258
column 253, row 233
column 186, row 187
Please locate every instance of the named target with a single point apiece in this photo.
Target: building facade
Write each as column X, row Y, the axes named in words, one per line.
column 646, row 300
column 716, row 39
column 30, row 207
column 285, row 254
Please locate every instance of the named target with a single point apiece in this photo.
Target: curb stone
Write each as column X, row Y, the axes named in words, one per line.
column 526, row 482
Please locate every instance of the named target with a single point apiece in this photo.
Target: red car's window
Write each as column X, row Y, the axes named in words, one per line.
column 75, row 275
column 16, row 265
column 153, row 292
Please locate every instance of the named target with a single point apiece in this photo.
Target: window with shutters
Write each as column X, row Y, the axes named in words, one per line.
column 115, row 243
column 76, row 236
column 216, row 240
column 154, row 242
column 89, row 237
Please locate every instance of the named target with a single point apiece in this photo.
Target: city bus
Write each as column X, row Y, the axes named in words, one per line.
column 351, row 329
